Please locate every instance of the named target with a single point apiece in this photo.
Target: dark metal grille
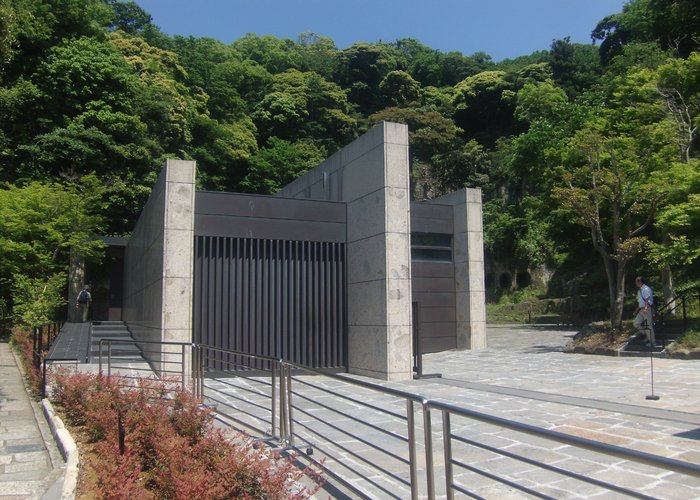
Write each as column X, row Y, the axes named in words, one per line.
column 284, row 299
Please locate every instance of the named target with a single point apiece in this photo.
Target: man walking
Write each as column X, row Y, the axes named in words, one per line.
column 643, row 315
column 83, row 302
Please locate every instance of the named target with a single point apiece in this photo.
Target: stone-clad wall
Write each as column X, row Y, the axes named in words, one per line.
column 371, row 175
column 158, row 261
column 470, row 290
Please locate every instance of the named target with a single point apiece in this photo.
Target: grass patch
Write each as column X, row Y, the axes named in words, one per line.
column 688, row 342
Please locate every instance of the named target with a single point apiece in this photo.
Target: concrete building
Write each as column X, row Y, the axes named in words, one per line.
column 338, row 270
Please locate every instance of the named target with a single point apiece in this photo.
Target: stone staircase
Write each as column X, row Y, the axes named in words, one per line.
column 126, row 351
column 665, row 333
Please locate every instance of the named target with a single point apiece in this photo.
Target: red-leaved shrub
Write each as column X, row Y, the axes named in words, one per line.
column 170, row 448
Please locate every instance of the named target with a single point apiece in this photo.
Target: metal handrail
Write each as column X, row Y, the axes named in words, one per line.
column 576, row 441
column 276, row 373
column 43, row 371
column 282, row 408
column 182, row 345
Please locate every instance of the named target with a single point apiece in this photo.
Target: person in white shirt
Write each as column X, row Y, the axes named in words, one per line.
column 643, row 314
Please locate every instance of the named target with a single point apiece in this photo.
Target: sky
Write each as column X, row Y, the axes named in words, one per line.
column 501, row 28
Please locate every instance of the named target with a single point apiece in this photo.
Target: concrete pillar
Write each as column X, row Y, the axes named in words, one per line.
column 158, row 285
column 371, row 175
column 468, row 243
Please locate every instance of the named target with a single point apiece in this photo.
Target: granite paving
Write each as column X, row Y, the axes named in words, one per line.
column 30, row 463
column 523, row 375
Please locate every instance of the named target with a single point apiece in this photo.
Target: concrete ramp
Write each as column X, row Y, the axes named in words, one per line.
column 81, row 342
column 72, row 343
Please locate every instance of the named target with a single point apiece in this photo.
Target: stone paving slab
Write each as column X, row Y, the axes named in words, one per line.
column 29, row 459
column 523, row 375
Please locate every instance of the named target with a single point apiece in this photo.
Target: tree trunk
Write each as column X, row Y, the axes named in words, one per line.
column 617, row 311
column 667, row 286
column 76, row 280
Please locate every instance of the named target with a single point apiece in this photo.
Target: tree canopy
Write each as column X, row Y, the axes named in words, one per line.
column 580, row 150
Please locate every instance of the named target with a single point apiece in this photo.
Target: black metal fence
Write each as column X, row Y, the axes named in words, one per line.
column 278, row 298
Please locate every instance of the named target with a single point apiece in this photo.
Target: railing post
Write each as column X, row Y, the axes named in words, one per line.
column 183, row 384
column 412, row 465
column 100, row 357
column 109, row 358
column 201, row 371
column 290, row 413
column 283, row 404
column 43, row 379
column 273, row 409
column 447, row 443
column 685, row 317
column 428, row 436
column 35, row 341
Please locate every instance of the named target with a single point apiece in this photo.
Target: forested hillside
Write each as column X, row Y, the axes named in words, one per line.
column 587, row 155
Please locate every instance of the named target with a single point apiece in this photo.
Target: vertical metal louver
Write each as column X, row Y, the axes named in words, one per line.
column 277, row 298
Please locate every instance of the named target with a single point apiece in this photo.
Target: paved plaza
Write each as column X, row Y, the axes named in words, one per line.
column 523, row 376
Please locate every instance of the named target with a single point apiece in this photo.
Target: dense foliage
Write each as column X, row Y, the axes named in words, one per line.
column 587, row 156
column 155, row 442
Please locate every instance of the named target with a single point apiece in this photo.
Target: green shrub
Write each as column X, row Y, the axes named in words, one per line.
column 171, row 449
column 690, row 339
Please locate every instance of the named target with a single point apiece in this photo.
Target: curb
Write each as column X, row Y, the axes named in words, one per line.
column 67, row 447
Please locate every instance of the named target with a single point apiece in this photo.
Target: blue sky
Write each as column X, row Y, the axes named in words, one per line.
column 501, row 28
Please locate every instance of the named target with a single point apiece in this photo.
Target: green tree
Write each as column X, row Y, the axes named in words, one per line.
column 361, row 68
column 575, row 67
column 40, row 224
column 679, row 86
column 129, row 17
column 672, row 24
column 611, row 188
column 318, row 54
column 484, row 106
column 7, row 28
column 398, row 88
column 274, row 54
column 223, row 152
column 679, row 221
column 305, row 106
column 537, row 101
column 280, row 163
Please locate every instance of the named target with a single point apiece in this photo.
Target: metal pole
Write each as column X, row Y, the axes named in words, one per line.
column 685, row 316
column 195, row 370
column 290, row 413
column 200, row 363
column 273, row 409
column 182, row 367
column 412, row 449
column 109, row 358
column 35, row 341
column 429, row 468
column 447, row 443
column 43, row 380
column 652, row 396
column 283, row 404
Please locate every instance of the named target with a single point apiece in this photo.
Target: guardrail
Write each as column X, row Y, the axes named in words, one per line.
column 45, row 361
column 42, row 338
column 375, row 435
column 156, row 357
